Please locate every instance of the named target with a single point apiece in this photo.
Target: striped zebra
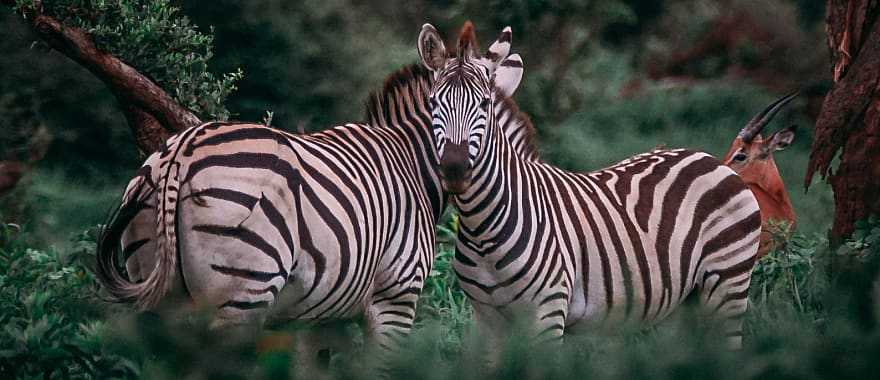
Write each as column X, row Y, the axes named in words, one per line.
column 581, row 251
column 256, row 223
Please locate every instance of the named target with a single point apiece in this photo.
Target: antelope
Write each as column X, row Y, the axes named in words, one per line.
column 751, row 156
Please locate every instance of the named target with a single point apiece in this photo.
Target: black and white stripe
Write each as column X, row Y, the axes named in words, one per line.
column 255, row 222
column 622, row 245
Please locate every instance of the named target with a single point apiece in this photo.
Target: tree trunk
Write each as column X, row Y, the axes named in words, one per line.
column 850, row 118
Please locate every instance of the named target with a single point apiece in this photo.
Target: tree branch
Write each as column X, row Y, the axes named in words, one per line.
column 149, row 132
column 151, row 113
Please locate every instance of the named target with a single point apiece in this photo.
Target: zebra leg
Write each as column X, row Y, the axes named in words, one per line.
column 389, row 320
column 551, row 314
column 726, row 299
column 541, row 324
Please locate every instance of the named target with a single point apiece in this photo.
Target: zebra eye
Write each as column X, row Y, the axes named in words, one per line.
column 433, row 102
column 484, row 105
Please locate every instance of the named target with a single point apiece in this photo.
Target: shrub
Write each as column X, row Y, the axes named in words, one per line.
column 49, row 316
column 155, row 38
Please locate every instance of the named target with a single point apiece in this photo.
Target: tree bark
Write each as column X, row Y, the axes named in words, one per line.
column 152, row 114
column 850, row 118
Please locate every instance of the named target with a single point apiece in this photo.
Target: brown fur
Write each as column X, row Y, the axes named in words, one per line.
column 759, row 172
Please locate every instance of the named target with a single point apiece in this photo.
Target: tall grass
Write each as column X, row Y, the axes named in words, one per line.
column 809, row 317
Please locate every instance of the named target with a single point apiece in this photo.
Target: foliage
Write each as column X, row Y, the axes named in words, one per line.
column 790, row 276
column 443, row 308
column 55, row 322
column 556, row 40
column 312, row 62
column 865, row 240
column 53, row 204
column 81, row 116
column 49, row 313
column 23, row 138
column 156, row 39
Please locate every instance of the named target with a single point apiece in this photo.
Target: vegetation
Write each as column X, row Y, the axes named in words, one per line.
column 803, row 323
column 153, row 37
column 590, row 92
column 51, row 318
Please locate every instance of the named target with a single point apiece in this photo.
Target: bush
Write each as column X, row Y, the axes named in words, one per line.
column 802, row 323
column 50, row 316
column 156, row 39
column 443, row 307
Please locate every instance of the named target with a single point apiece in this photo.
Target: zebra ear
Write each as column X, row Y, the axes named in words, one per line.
column 431, row 48
column 508, row 75
column 500, row 48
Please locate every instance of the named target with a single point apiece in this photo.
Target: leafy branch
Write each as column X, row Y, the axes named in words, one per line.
column 153, row 60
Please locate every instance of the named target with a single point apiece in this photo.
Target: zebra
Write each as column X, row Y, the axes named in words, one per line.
column 566, row 251
column 258, row 224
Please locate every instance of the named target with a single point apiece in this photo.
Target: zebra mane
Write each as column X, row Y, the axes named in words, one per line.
column 415, row 81
column 412, row 80
column 519, row 129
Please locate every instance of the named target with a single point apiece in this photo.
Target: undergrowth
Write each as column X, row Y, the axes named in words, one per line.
column 809, row 317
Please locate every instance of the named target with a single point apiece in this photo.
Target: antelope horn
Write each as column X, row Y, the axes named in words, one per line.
column 754, row 127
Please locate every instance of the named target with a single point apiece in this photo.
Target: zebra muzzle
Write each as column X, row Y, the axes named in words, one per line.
column 455, row 168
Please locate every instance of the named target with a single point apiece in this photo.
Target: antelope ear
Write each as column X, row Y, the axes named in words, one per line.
column 432, row 51
column 509, row 74
column 782, row 139
column 500, row 48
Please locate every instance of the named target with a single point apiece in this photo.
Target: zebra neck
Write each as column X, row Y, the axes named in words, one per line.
column 401, row 105
column 498, row 185
column 483, row 206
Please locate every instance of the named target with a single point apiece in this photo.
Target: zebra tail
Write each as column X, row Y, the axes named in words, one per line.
column 145, row 294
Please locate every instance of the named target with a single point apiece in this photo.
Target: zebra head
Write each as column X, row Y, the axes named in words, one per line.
column 466, row 85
